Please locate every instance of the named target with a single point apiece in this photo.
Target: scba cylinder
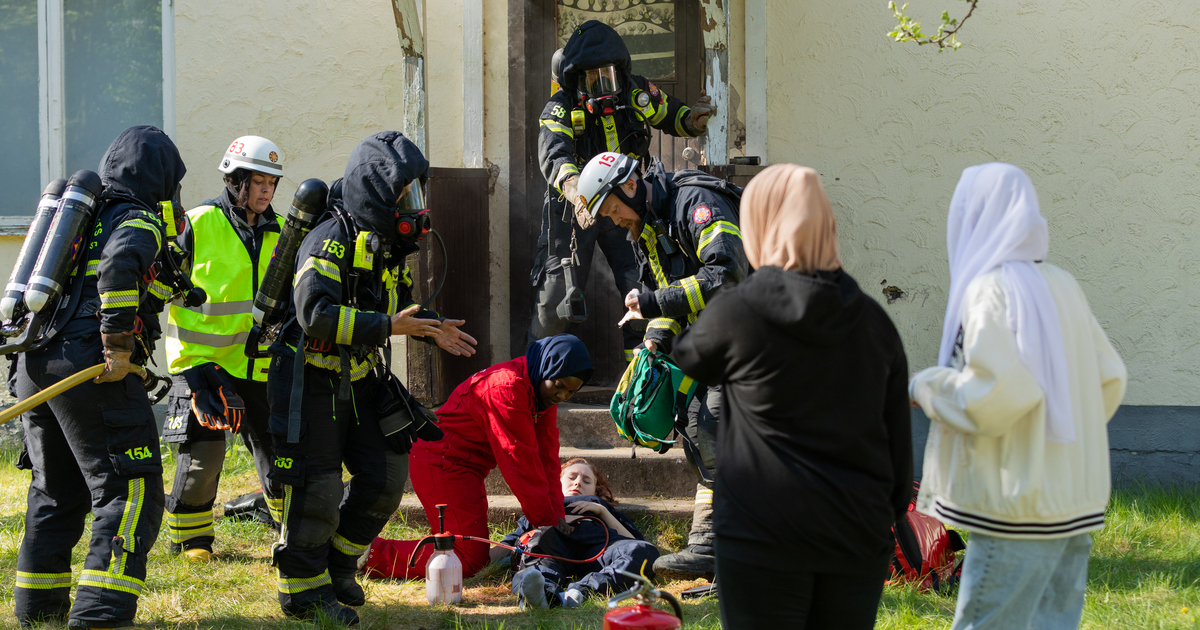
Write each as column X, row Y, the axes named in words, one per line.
column 30, row 249
column 271, row 302
column 65, row 240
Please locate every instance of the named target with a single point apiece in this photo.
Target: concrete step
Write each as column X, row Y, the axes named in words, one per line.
column 667, row 476
column 592, row 395
column 588, row 426
column 506, row 509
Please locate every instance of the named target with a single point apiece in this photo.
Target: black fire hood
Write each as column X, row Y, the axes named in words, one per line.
column 379, row 169
column 593, row 45
column 144, row 164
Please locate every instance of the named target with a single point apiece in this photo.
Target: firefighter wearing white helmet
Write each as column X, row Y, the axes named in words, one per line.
column 227, row 243
column 685, row 225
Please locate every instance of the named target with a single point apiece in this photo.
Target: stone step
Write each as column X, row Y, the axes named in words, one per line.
column 667, row 476
column 588, row 426
column 506, row 509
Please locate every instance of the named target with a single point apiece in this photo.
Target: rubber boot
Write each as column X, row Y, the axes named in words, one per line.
column 693, row 563
column 332, row 612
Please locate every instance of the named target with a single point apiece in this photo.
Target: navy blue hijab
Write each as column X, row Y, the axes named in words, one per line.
column 558, row 357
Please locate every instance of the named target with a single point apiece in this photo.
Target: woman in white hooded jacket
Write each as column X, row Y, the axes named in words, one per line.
column 1025, row 386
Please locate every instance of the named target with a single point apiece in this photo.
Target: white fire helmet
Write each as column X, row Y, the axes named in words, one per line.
column 601, row 174
column 252, row 153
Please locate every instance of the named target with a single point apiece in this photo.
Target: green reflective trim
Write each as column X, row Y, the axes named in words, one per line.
column 611, row 139
column 298, row 585
column 558, row 127
column 334, row 363
column 119, row 299
column 326, row 268
column 347, row 547
column 92, row 267
column 207, row 339
column 111, row 581
column 43, row 581
column 651, row 241
column 145, row 225
column 345, row 325
column 181, row 535
column 664, row 323
column 711, row 232
column 691, row 288
column 679, row 121
column 159, row 290
column 661, row 110
column 190, row 520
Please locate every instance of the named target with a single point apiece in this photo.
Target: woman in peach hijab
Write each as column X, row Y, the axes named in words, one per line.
column 816, row 380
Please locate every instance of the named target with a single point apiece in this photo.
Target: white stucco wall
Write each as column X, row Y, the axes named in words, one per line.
column 1095, row 100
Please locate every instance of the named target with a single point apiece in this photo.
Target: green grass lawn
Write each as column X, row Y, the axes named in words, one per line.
column 1145, row 573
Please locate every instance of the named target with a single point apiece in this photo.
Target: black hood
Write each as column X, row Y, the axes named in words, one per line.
column 144, row 164
column 379, row 169
column 593, row 45
column 819, row 309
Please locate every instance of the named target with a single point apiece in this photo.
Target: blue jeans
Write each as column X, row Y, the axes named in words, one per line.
column 1022, row 584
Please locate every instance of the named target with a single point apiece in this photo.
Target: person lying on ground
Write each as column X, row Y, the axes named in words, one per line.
column 548, row 582
column 504, row 416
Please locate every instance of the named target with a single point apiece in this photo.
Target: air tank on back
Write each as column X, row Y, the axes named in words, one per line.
column 34, row 239
column 65, row 240
column 271, row 302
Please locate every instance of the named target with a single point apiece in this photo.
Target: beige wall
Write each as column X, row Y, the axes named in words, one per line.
column 444, row 77
column 1095, row 100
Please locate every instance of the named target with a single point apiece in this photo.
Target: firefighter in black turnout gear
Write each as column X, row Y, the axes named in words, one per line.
column 94, row 448
column 334, row 400
column 602, row 106
column 684, row 227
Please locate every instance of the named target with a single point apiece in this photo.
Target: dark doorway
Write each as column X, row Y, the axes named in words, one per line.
column 669, row 48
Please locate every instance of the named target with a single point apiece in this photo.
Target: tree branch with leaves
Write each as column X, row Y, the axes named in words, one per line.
column 909, row 30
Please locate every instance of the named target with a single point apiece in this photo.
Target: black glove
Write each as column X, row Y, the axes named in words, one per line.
column 215, row 403
column 403, row 420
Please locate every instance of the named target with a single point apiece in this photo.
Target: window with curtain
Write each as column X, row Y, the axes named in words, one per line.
column 19, row 167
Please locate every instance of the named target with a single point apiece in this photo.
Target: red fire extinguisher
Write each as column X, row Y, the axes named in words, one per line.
column 642, row 615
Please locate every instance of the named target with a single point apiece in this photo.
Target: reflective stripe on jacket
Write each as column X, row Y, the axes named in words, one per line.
column 216, row 331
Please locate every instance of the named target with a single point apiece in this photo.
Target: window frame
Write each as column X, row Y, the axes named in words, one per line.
column 51, row 77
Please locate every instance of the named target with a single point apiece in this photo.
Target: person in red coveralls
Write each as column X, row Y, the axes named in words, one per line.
column 503, row 416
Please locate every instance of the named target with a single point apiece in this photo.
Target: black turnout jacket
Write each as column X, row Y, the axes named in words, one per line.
column 116, row 279
column 344, row 294
column 569, row 135
column 702, row 224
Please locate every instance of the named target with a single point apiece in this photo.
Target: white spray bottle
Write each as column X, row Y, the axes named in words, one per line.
column 443, row 572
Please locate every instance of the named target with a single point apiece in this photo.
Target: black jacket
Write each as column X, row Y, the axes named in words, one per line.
column 815, row 448
column 141, row 168
column 343, row 294
column 702, row 224
column 570, row 136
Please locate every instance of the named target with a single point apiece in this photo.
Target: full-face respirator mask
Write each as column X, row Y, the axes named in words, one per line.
column 600, row 89
column 412, row 214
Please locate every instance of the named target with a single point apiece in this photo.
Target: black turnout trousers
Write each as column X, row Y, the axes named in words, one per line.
column 93, row 448
column 754, row 597
column 327, row 525
column 202, row 455
column 551, row 283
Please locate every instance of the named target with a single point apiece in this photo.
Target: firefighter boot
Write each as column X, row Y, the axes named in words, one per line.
column 342, row 569
column 693, row 563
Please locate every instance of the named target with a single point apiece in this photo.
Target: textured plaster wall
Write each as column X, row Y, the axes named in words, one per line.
column 1095, row 100
column 444, row 78
column 313, row 77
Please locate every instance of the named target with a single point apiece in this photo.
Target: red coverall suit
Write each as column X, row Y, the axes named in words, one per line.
column 491, row 419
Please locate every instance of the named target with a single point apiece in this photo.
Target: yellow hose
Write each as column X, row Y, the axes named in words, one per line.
column 58, row 388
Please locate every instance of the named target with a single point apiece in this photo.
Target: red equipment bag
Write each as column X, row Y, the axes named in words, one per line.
column 926, row 552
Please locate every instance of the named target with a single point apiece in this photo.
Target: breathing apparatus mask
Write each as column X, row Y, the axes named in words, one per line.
column 412, row 214
column 600, row 88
